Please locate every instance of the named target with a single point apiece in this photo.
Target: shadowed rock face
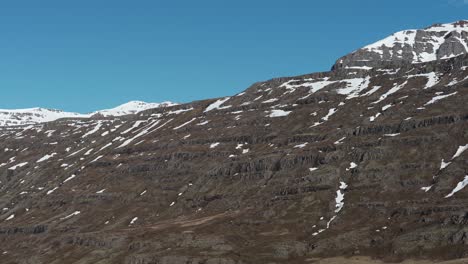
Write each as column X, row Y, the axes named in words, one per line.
column 440, row 41
column 341, row 163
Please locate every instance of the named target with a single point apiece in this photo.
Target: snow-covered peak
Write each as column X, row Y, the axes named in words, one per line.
column 131, row 107
column 439, row 41
column 461, row 25
column 33, row 116
column 37, row 115
column 405, row 37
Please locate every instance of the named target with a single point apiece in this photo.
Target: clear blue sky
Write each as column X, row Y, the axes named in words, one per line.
column 92, row 54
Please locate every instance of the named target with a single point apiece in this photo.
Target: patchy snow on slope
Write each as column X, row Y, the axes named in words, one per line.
column 352, row 165
column 385, row 107
column 70, row 215
column 460, row 150
column 339, row 141
column 97, row 158
column 426, row 188
column 184, row 124
column 331, row 112
column 366, row 68
column 339, row 204
column 339, row 200
column 217, row 105
column 371, row 91
column 94, row 130
column 46, row 157
column 203, row 123
column 444, row 164
column 270, row 101
column 135, row 125
column 105, row 146
column 10, row 217
column 51, row 191
column 354, row 87
column 69, row 178
column 459, row 187
column 313, row 84
column 372, row 118
column 392, row 90
column 132, row 107
column 432, row 79
column 89, row 152
column 146, row 130
column 439, row 97
column 133, row 221
column 176, row 112
column 76, row 152
column 18, row 166
column 301, row 145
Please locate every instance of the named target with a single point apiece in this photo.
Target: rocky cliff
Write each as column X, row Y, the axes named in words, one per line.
column 369, row 159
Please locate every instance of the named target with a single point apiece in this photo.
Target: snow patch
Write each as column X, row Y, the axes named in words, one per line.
column 71, row 215
column 439, row 97
column 459, row 187
column 133, row 221
column 217, row 105
column 18, row 166
column 279, row 113
column 46, row 157
column 214, row 145
column 69, row 178
column 460, row 150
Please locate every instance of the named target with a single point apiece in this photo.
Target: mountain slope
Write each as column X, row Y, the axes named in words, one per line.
column 370, row 162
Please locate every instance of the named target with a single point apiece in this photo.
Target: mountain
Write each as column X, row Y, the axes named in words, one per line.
column 440, row 41
column 360, row 164
column 42, row 115
column 131, row 107
column 33, row 116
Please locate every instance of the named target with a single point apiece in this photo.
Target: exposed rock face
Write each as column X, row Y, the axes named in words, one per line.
column 341, row 163
column 440, row 41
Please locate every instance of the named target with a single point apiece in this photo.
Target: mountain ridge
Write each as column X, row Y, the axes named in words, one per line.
column 351, row 61
column 36, row 115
